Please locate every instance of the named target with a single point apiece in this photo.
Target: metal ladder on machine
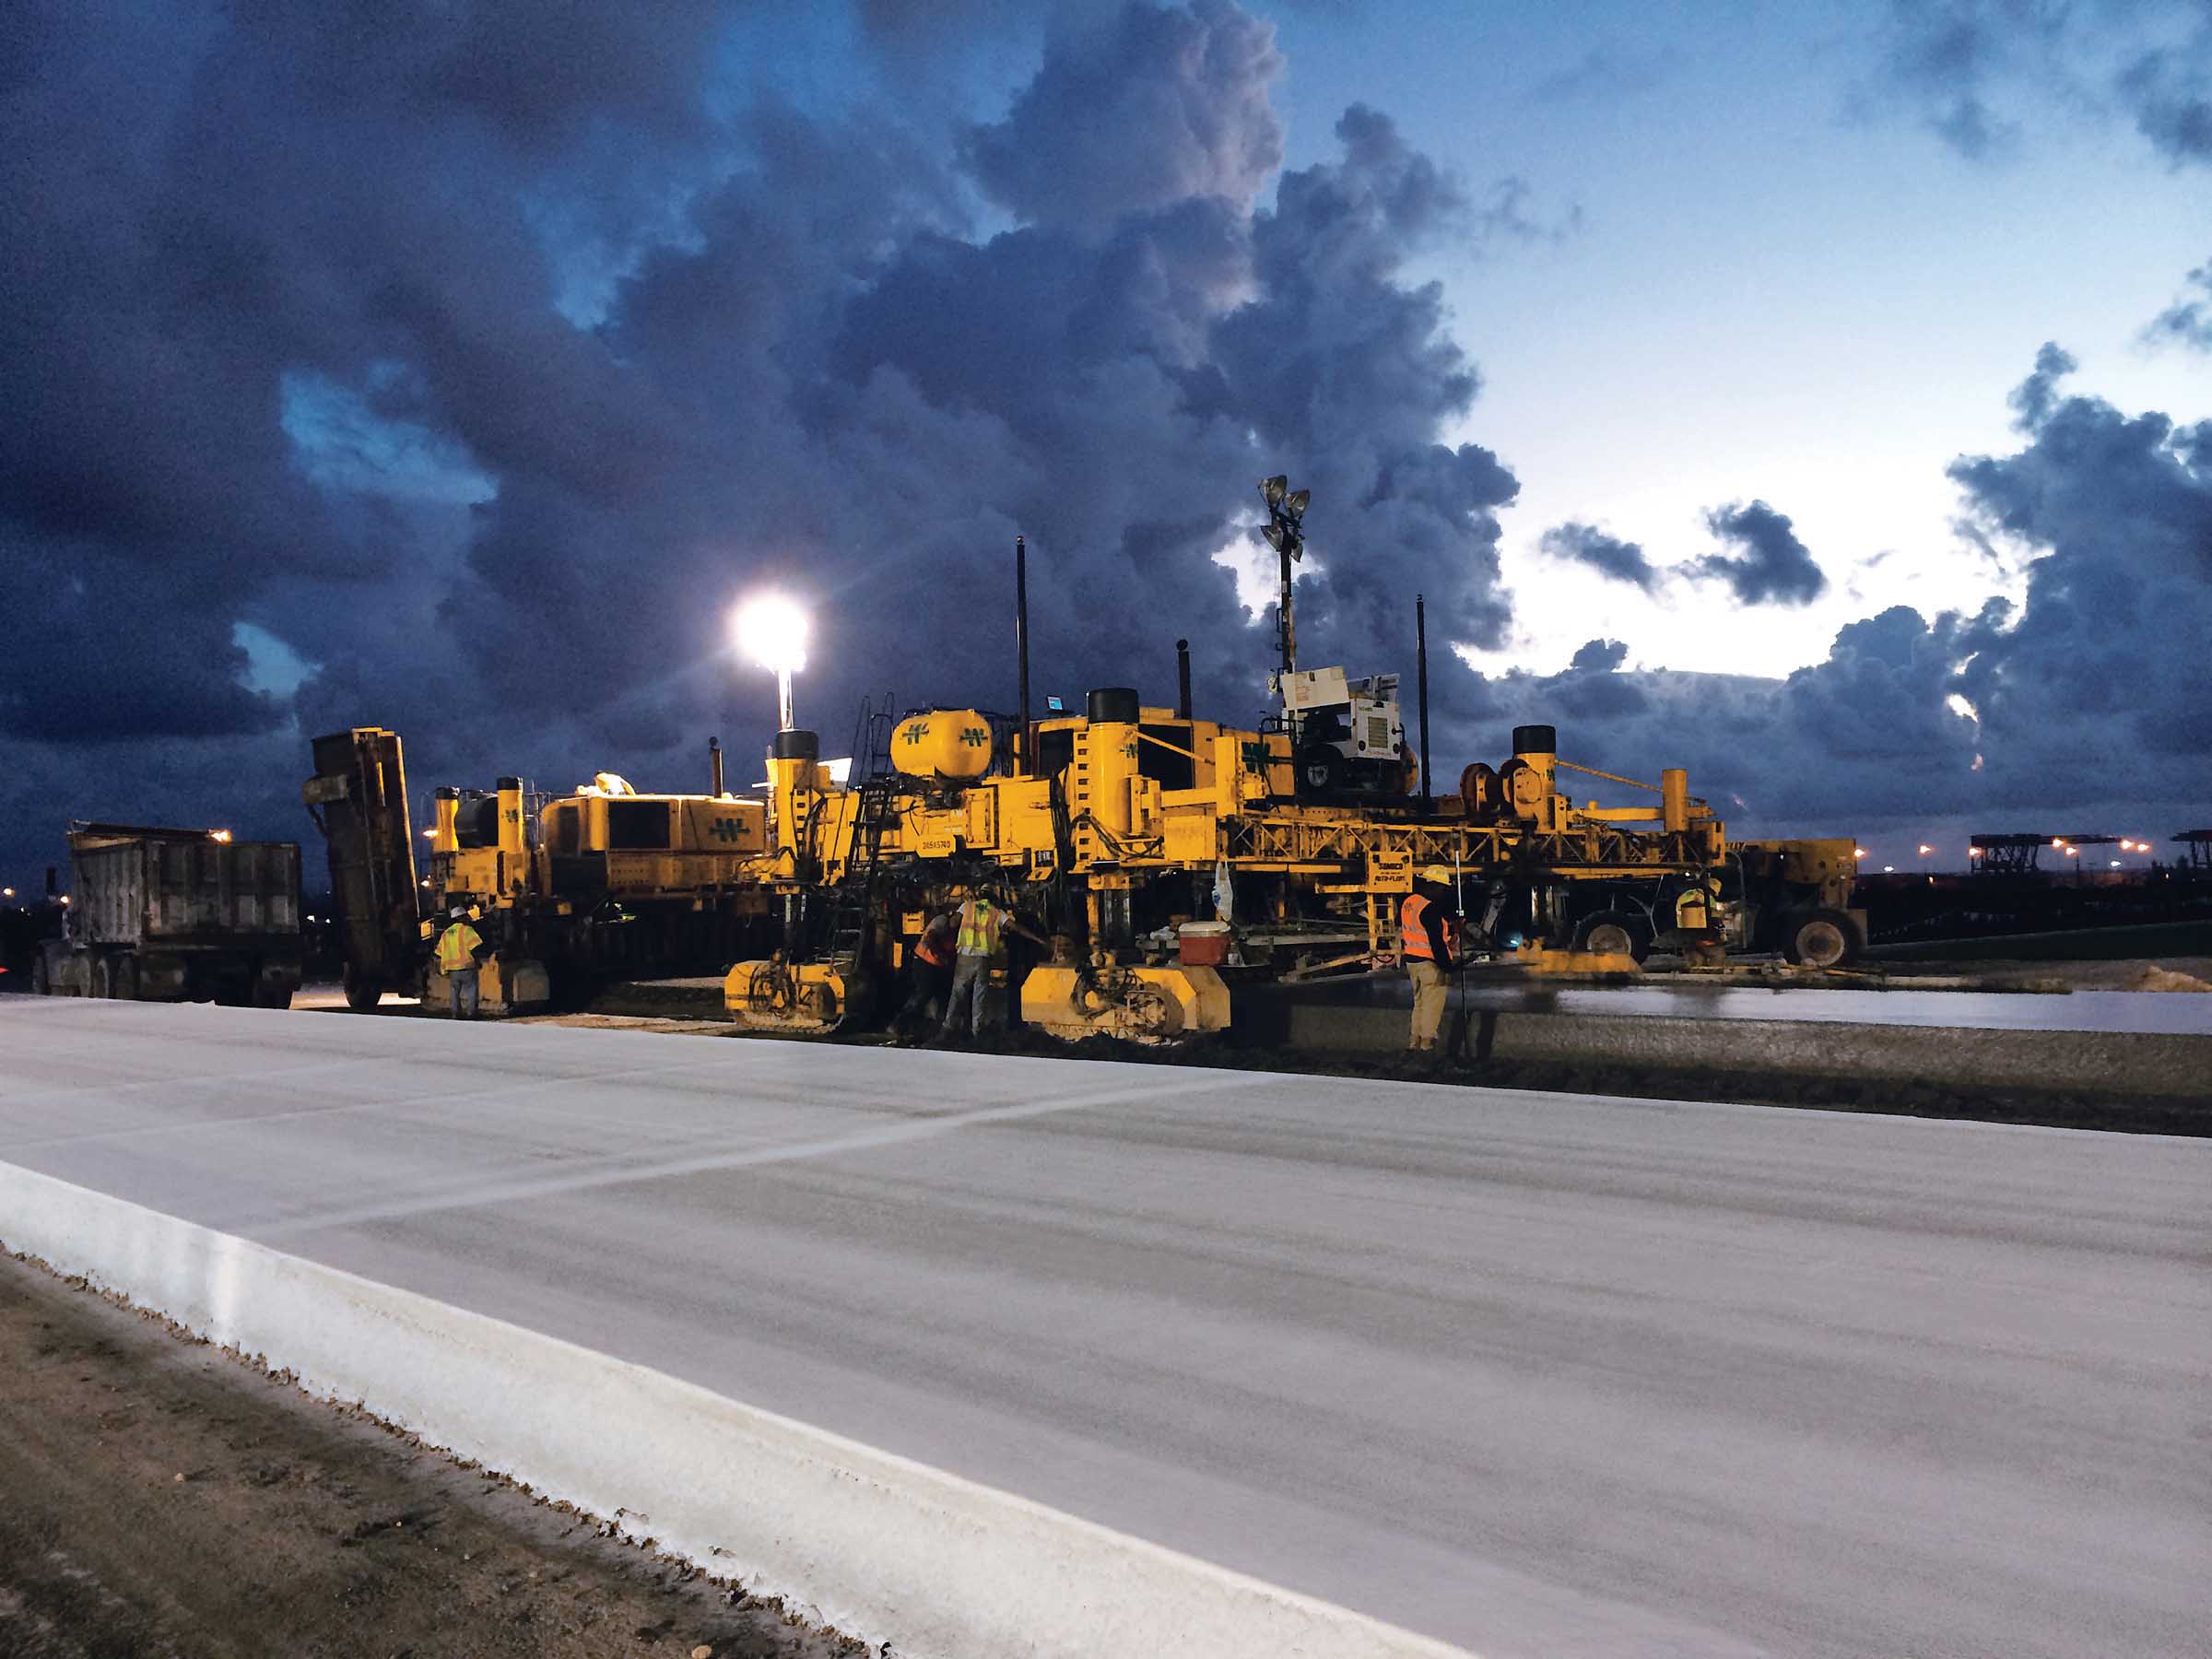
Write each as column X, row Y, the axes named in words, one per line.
column 845, row 933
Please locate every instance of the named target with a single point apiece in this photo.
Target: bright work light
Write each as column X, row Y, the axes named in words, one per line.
column 772, row 632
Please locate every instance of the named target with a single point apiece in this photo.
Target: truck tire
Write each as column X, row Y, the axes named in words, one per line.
column 41, row 976
column 272, row 993
column 122, row 979
column 1612, row 933
column 361, row 994
column 1821, row 938
column 103, row 978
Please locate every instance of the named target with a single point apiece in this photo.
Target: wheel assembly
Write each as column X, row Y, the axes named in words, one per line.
column 1826, row 938
column 1612, row 933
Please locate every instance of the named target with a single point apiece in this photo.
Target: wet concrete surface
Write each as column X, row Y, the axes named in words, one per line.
column 2114, row 1012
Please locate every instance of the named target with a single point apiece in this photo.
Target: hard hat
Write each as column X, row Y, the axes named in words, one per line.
column 1436, row 872
column 455, row 912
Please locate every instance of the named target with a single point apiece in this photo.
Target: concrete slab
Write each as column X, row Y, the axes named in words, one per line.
column 1532, row 1374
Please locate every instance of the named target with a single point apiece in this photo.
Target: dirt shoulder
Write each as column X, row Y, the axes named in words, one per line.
column 161, row 1497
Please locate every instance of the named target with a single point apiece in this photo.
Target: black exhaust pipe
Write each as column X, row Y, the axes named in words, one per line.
column 715, row 764
column 1024, row 764
column 1183, row 679
column 1421, row 658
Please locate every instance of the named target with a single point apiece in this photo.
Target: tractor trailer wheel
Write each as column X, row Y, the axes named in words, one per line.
column 363, row 993
column 122, row 979
column 1612, row 933
column 1822, row 938
column 41, row 976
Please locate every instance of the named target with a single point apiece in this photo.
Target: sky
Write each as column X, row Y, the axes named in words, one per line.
column 1812, row 396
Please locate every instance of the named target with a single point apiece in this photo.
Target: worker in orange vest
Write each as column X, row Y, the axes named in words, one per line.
column 934, row 954
column 1428, row 939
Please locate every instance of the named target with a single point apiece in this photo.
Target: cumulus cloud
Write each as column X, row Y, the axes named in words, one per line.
column 1599, row 656
column 1153, row 107
column 2089, row 674
column 2188, row 320
column 1771, row 566
column 1607, row 555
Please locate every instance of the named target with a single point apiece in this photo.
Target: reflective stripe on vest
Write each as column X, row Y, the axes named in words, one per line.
column 1413, row 932
column 457, row 947
column 979, row 928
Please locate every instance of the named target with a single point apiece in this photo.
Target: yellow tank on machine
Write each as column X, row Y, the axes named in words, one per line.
column 951, row 743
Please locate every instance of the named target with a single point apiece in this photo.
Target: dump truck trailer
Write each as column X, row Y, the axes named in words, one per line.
column 359, row 799
column 176, row 915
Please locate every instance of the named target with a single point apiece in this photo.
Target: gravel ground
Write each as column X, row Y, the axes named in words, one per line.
column 164, row 1498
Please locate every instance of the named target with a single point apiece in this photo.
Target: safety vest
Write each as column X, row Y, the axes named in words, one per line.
column 931, row 946
column 1693, row 911
column 978, row 927
column 457, row 947
column 1413, row 928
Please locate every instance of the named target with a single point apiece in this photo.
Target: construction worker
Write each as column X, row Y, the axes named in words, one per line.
column 982, row 925
column 1427, row 939
column 936, row 953
column 461, row 953
column 1698, row 922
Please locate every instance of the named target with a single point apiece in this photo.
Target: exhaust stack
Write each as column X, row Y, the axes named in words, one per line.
column 1025, row 764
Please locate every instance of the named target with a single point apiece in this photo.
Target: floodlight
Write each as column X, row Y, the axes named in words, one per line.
column 218, row 835
column 1274, row 489
column 772, row 632
column 1296, row 505
column 1274, row 533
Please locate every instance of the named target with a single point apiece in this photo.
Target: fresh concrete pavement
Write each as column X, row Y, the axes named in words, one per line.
column 1533, row 1374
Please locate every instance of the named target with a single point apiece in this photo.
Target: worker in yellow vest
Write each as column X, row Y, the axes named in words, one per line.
column 1427, row 939
column 982, row 925
column 461, row 953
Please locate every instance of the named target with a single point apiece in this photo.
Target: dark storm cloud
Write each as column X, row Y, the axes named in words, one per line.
column 1982, row 73
column 2188, row 320
column 571, row 365
column 1771, row 566
column 2093, row 669
column 1155, row 107
column 1607, row 555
